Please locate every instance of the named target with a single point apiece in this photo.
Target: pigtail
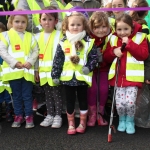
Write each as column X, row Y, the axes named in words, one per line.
column 79, row 45
column 75, row 59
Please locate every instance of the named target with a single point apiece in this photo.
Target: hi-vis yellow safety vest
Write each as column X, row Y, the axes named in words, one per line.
column 145, row 27
column 106, row 41
column 134, row 68
column 4, row 86
column 68, row 6
column 20, row 50
column 46, row 55
column 69, row 69
column 112, row 23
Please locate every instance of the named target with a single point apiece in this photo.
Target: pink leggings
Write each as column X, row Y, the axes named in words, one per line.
column 103, row 89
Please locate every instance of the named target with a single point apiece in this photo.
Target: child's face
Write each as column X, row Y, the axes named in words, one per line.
column 123, row 29
column 19, row 23
column 75, row 24
column 101, row 31
column 117, row 4
column 48, row 22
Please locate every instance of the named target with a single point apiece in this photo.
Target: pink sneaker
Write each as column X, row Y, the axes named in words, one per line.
column 29, row 122
column 17, row 121
column 35, row 105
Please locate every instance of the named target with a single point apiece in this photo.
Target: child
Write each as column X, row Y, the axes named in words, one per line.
column 131, row 71
column 100, row 31
column 5, row 90
column 19, row 51
column 139, row 16
column 48, row 40
column 74, row 60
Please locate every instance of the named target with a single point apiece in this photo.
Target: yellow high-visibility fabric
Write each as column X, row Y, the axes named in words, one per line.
column 20, row 50
column 134, row 68
column 69, row 68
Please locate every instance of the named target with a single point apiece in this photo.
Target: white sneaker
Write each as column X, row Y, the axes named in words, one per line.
column 47, row 121
column 57, row 123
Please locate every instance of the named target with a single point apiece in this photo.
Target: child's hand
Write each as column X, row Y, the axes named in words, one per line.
column 117, row 52
column 27, row 65
column 36, row 76
column 125, row 40
column 19, row 65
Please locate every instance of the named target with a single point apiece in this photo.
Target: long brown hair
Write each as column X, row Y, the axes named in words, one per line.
column 138, row 16
column 124, row 18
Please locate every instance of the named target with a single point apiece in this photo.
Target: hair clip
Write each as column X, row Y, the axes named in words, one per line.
column 68, row 14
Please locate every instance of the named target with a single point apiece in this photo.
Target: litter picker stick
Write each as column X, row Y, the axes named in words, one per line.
column 111, row 126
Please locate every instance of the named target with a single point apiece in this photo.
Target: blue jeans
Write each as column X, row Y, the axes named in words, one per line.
column 22, row 96
column 4, row 96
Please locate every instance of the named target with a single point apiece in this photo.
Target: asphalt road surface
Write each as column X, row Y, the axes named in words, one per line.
column 95, row 138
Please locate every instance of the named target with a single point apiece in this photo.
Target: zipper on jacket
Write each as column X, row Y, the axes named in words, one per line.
column 122, row 80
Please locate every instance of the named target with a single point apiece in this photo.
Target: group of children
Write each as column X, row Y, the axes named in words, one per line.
column 82, row 58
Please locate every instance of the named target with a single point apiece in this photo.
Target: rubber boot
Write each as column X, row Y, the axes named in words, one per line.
column 71, row 124
column 91, row 116
column 100, row 118
column 82, row 126
column 9, row 112
column 130, row 129
column 122, row 124
column 0, row 111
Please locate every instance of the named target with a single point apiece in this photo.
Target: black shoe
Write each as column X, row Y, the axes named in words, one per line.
column 42, row 111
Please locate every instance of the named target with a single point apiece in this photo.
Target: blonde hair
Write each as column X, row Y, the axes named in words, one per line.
column 11, row 18
column 98, row 19
column 80, row 16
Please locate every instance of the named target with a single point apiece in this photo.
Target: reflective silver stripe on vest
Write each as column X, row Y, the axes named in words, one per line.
column 133, row 60
column 67, row 73
column 45, row 74
column 87, row 78
column 138, row 38
column 30, row 71
column 112, row 71
column 9, row 70
column 135, row 73
column 57, row 38
column 112, row 40
column 45, row 63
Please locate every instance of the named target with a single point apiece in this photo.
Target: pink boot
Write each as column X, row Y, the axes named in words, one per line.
column 82, row 126
column 100, row 119
column 71, row 124
column 91, row 116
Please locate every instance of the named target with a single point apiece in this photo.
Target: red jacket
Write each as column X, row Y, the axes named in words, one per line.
column 140, row 52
